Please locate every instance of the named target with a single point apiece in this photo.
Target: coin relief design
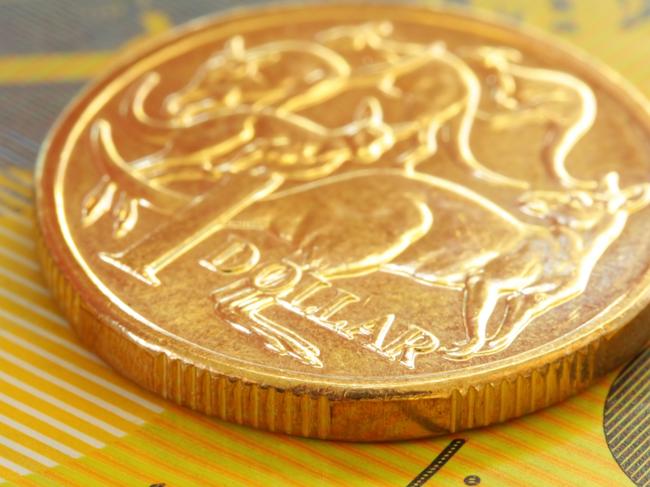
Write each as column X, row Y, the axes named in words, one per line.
column 356, row 198
column 365, row 198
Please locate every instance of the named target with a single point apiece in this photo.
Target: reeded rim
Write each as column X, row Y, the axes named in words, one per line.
column 609, row 321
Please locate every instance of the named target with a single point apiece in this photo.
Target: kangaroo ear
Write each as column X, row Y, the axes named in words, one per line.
column 236, row 47
column 637, row 197
column 534, row 203
column 233, row 48
column 610, row 183
column 382, row 28
column 492, row 56
column 370, row 110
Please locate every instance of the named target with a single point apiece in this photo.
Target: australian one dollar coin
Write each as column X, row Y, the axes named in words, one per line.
column 352, row 222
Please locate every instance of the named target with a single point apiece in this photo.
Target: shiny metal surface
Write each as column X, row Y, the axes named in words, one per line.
column 353, row 222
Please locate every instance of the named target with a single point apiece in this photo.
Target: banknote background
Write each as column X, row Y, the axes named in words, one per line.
column 66, row 419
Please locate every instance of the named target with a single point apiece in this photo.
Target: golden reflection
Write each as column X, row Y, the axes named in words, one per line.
column 329, row 151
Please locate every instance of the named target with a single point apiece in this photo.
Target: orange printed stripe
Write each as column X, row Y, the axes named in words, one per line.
column 58, row 474
column 422, row 460
column 187, row 455
column 426, row 453
column 287, row 441
column 185, row 474
column 503, row 472
column 359, row 452
column 554, row 418
column 222, row 430
column 553, row 439
column 25, row 481
column 539, row 452
column 107, row 459
column 592, row 417
column 97, row 476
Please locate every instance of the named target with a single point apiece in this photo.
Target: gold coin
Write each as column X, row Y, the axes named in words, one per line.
column 353, row 222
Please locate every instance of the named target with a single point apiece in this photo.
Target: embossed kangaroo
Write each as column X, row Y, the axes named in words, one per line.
column 242, row 110
column 428, row 229
column 365, row 171
column 551, row 265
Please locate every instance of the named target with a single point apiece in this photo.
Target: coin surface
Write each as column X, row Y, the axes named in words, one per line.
column 352, row 222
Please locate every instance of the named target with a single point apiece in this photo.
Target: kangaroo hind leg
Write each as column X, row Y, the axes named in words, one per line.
column 523, row 310
column 480, row 303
